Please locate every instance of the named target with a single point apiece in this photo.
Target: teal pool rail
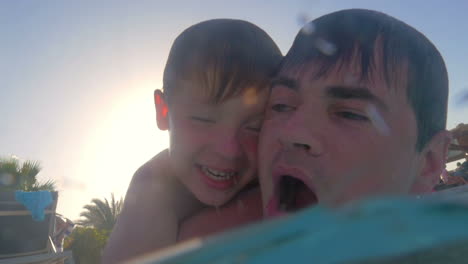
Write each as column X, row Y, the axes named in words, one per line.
column 372, row 230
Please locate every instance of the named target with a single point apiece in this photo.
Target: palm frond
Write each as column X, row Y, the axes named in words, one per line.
column 49, row 185
column 9, row 165
column 31, row 168
column 101, row 214
column 24, row 175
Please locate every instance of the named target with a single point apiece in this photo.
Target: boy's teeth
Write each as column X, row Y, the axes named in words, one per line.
column 217, row 175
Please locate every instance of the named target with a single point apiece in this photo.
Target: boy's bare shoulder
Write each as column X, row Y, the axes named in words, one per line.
column 156, row 167
column 149, row 182
column 145, row 223
column 155, row 182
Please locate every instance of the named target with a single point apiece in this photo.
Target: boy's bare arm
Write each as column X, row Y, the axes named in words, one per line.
column 137, row 229
column 154, row 204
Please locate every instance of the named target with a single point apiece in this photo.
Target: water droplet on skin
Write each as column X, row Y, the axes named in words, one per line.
column 308, row 28
column 377, row 120
column 325, row 46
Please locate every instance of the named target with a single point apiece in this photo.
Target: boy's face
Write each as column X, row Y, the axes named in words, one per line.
column 339, row 139
column 213, row 147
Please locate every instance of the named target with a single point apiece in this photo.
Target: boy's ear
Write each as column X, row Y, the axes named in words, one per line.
column 162, row 111
column 434, row 157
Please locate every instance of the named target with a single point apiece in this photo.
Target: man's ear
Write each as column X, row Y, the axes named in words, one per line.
column 162, row 111
column 434, row 157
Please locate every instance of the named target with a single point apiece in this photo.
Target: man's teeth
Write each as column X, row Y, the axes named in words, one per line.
column 217, row 175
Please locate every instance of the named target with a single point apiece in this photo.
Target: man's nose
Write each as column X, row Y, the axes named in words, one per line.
column 299, row 135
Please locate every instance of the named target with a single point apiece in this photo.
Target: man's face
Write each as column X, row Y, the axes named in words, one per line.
column 213, row 147
column 335, row 139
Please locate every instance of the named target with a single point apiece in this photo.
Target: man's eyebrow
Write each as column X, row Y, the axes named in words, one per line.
column 353, row 92
column 285, row 81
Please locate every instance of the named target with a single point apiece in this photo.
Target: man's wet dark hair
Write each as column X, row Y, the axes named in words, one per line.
column 336, row 39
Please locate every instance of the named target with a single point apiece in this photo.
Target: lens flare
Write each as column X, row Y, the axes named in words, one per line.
column 377, row 120
column 250, row 97
column 325, row 46
column 462, row 99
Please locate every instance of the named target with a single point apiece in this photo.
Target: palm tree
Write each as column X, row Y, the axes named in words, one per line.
column 15, row 175
column 101, row 214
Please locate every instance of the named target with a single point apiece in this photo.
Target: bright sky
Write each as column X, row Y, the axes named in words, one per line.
column 77, row 77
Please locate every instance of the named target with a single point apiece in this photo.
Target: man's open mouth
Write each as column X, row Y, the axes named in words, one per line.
column 293, row 194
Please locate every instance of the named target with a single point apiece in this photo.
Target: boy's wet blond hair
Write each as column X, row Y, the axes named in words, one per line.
column 223, row 57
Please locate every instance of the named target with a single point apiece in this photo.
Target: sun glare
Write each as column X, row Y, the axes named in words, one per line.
column 125, row 138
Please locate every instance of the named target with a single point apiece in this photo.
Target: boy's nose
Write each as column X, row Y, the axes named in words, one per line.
column 229, row 146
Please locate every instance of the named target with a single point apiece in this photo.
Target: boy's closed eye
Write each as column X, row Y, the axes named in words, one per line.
column 202, row 119
column 254, row 126
column 281, row 108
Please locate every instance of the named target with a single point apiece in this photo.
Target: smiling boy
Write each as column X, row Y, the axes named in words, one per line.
column 215, row 87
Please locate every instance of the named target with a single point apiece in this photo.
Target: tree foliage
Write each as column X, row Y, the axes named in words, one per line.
column 86, row 244
column 88, row 240
column 101, row 214
column 16, row 175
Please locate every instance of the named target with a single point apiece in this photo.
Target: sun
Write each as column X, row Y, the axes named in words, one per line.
column 125, row 138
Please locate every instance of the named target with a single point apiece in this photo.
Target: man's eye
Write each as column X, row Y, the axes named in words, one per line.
column 281, row 108
column 352, row 116
column 202, row 119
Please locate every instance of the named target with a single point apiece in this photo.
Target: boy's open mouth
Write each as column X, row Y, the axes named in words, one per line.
column 221, row 179
column 293, row 194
